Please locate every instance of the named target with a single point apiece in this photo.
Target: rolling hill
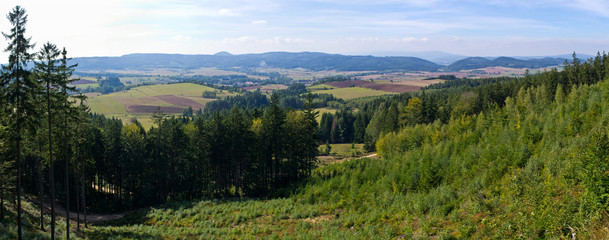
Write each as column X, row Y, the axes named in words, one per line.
column 285, row 60
column 480, row 62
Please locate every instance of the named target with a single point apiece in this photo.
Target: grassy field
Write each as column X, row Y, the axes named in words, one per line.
column 322, row 111
column 353, row 92
column 268, row 88
column 344, row 149
column 140, row 102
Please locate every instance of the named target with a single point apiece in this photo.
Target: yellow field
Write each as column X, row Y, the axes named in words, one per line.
column 353, row 92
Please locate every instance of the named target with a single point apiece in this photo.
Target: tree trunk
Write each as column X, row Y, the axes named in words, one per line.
column 67, row 196
column 83, row 193
column 77, row 181
column 18, row 163
column 65, row 155
column 51, row 167
column 1, row 200
column 41, row 198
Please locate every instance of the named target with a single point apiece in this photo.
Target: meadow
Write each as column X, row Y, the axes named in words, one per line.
column 141, row 102
column 353, row 92
column 529, row 170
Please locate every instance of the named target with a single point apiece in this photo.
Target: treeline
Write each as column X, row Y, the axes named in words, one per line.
column 294, row 97
column 52, row 148
column 234, row 153
column 535, row 165
column 445, row 101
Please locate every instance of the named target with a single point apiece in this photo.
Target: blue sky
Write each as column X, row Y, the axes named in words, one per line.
column 468, row 27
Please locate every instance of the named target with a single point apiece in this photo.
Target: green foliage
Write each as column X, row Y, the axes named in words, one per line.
column 209, row 94
column 535, row 168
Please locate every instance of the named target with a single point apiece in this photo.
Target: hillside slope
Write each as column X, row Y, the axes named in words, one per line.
column 479, row 62
column 536, row 168
column 308, row 60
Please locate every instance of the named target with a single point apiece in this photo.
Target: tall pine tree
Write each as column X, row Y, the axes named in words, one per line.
column 20, row 90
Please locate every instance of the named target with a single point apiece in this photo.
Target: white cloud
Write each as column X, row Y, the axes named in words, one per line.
column 259, row 22
column 227, row 12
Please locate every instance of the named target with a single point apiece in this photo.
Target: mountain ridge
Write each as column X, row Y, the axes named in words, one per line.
column 316, row 61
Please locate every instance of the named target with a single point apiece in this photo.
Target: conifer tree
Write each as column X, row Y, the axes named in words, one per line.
column 20, row 90
column 46, row 70
column 64, row 78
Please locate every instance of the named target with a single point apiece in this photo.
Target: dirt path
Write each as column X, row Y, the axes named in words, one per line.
column 91, row 218
column 368, row 156
column 331, row 160
column 95, row 218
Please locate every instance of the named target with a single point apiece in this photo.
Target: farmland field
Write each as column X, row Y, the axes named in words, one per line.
column 266, row 88
column 142, row 101
column 387, row 87
column 353, row 92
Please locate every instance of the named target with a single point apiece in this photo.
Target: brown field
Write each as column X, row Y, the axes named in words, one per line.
column 419, row 83
column 181, row 101
column 250, row 88
column 387, row 87
column 139, row 109
column 266, row 88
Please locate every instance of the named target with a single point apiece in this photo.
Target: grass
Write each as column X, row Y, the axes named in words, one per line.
column 532, row 170
column 269, row 87
column 353, row 92
column 106, row 104
column 115, row 104
column 31, row 223
column 179, row 89
column 344, row 149
column 324, row 110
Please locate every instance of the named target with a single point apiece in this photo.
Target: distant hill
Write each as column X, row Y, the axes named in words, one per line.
column 308, row 60
column 437, row 57
column 480, row 62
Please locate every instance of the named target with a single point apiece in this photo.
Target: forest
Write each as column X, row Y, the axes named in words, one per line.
column 52, row 146
column 468, row 158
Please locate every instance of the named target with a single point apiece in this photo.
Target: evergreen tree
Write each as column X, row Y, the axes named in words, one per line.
column 20, row 90
column 273, row 132
column 309, row 136
column 47, row 71
column 67, row 110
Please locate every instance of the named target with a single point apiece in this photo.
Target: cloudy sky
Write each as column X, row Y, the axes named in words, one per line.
column 467, row 27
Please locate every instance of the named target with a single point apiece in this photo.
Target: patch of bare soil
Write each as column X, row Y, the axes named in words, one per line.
column 387, row 87
column 180, row 101
column 134, row 109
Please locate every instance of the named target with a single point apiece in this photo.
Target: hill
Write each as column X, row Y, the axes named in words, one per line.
column 533, row 169
column 141, row 102
column 285, row 60
column 480, row 62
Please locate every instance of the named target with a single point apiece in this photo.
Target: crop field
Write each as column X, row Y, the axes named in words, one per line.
column 85, row 82
column 142, row 101
column 387, row 87
column 353, row 92
column 269, row 88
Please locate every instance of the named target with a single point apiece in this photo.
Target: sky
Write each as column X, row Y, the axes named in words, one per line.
column 465, row 27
